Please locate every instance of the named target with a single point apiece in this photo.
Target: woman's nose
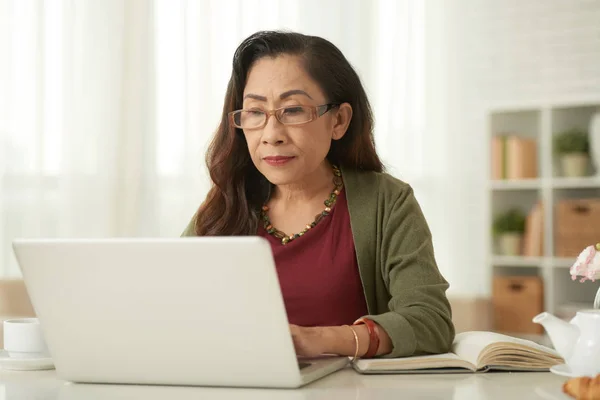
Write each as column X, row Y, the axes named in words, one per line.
column 273, row 132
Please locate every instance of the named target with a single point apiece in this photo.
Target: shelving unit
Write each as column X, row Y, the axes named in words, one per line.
column 541, row 122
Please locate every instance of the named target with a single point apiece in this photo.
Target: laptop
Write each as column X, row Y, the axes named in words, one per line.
column 201, row 311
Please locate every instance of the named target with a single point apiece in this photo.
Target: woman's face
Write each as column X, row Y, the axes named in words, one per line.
column 287, row 154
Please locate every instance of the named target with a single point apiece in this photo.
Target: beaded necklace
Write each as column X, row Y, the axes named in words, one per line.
column 329, row 203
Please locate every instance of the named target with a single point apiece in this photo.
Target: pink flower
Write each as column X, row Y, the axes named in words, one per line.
column 587, row 265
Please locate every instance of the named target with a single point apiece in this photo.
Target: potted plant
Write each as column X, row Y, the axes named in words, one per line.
column 509, row 228
column 573, row 147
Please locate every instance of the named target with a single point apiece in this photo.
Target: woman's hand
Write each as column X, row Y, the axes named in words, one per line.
column 308, row 342
column 316, row 341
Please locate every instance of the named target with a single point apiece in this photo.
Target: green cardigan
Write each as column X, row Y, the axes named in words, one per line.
column 404, row 290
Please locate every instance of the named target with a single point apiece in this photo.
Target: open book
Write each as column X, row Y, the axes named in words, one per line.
column 475, row 351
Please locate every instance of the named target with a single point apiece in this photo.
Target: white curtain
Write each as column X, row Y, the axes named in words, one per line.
column 74, row 112
column 107, row 107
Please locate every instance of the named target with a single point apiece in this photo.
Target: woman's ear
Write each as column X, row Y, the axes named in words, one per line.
column 343, row 116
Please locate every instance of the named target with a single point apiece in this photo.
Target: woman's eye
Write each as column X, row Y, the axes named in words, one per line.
column 293, row 110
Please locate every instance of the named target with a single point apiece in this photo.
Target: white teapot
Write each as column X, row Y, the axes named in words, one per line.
column 577, row 341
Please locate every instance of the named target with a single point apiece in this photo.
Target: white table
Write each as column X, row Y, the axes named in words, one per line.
column 345, row 384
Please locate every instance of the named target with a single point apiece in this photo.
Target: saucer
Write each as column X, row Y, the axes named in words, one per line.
column 25, row 364
column 562, row 370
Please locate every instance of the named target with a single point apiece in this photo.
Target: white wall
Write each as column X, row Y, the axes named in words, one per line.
column 500, row 53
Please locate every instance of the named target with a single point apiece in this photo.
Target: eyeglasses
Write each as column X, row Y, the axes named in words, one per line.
column 290, row 115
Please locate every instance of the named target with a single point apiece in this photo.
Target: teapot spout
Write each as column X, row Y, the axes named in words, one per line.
column 563, row 334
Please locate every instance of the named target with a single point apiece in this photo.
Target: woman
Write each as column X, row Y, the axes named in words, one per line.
column 295, row 141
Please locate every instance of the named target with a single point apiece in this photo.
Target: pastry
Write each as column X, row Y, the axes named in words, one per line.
column 583, row 388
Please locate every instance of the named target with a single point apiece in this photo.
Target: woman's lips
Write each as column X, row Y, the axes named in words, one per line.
column 278, row 161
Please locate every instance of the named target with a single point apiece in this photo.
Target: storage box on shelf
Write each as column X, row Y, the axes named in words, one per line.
column 516, row 300
column 577, row 226
column 557, row 224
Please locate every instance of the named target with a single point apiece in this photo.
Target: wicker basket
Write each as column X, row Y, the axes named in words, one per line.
column 515, row 301
column 577, row 226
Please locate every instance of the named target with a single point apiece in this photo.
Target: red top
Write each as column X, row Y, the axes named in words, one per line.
column 318, row 272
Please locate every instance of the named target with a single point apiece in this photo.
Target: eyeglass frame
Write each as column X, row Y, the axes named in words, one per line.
column 314, row 114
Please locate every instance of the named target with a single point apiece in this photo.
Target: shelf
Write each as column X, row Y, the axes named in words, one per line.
column 541, row 122
column 520, row 184
column 576, row 183
column 517, row 261
column 589, row 182
column 563, row 262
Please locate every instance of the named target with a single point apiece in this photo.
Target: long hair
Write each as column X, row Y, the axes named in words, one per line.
column 232, row 206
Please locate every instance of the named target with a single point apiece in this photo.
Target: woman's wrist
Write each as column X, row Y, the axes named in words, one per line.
column 340, row 340
column 373, row 336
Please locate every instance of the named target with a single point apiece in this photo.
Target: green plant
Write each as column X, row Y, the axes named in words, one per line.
column 571, row 141
column 511, row 221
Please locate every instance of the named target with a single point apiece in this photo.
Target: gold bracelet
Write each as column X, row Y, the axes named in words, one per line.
column 356, row 343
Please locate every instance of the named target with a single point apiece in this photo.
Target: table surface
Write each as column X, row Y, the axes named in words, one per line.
column 346, row 383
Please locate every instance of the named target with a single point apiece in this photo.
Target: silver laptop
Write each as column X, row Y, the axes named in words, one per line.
column 183, row 311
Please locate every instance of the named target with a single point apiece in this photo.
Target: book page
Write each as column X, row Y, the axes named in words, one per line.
column 475, row 350
column 470, row 346
column 447, row 360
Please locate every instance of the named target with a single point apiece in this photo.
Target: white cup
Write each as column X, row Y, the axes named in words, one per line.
column 23, row 338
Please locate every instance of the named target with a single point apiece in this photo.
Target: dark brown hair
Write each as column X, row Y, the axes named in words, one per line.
column 232, row 206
